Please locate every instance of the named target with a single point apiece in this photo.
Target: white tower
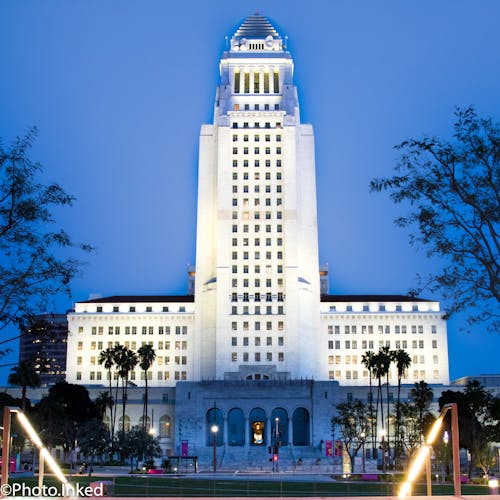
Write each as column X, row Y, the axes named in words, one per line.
column 257, row 273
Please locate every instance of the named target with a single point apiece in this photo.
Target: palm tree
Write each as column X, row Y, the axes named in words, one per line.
column 117, row 351
column 403, row 362
column 367, row 360
column 146, row 357
column 386, row 356
column 379, row 367
column 24, row 375
column 422, row 396
column 125, row 360
column 386, row 360
column 107, row 358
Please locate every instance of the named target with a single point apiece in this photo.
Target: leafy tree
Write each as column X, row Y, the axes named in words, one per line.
column 414, row 425
column 352, row 418
column 421, row 396
column 33, row 268
column 93, row 439
column 453, row 190
column 478, row 420
column 485, row 458
column 146, row 357
column 60, row 413
column 136, row 445
column 24, row 375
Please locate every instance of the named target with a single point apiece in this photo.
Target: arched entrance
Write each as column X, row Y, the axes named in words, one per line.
column 300, row 421
column 257, row 421
column 235, row 427
column 214, row 418
column 282, row 424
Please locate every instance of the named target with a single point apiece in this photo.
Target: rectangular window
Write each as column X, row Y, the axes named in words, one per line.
column 276, row 82
column 256, row 86
column 266, row 82
column 237, row 82
column 246, row 78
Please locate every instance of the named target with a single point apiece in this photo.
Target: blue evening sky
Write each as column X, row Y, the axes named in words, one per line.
column 119, row 89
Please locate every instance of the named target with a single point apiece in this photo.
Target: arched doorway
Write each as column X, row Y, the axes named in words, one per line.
column 282, row 424
column 214, row 418
column 165, row 426
column 257, row 421
column 300, row 427
column 235, row 427
column 126, row 427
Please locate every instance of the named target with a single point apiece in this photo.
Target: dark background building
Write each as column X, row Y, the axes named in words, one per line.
column 43, row 343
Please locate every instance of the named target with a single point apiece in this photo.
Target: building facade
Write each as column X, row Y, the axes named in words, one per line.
column 260, row 321
column 43, row 344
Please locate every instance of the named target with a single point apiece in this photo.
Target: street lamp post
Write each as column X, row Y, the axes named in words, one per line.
column 214, row 430
column 363, row 437
column 446, row 439
column 382, row 440
column 275, row 454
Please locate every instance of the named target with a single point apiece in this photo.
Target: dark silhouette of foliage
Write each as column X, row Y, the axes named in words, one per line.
column 478, row 417
column 24, row 375
column 33, row 268
column 453, row 191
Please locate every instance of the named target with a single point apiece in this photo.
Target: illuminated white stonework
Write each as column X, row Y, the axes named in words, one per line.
column 257, row 311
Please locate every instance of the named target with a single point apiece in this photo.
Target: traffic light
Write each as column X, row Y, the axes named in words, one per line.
column 275, row 457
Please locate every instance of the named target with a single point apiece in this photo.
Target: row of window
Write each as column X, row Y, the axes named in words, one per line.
column 242, row 83
column 257, row 357
column 246, row 215
column 257, row 281
column 256, row 188
column 245, row 310
column 353, row 375
column 257, row 296
column 160, row 346
column 355, row 360
column 353, row 329
column 256, row 228
column 246, row 242
column 160, row 360
column 256, row 325
column 246, row 269
column 257, row 341
column 161, row 375
column 246, row 256
column 381, row 307
column 370, row 344
column 256, row 176
column 256, row 137
column 256, row 150
column 132, row 330
column 257, row 107
column 256, row 163
column 148, row 309
column 99, row 345
column 257, row 125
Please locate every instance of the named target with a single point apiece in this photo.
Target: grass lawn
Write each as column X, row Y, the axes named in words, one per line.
column 148, row 486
